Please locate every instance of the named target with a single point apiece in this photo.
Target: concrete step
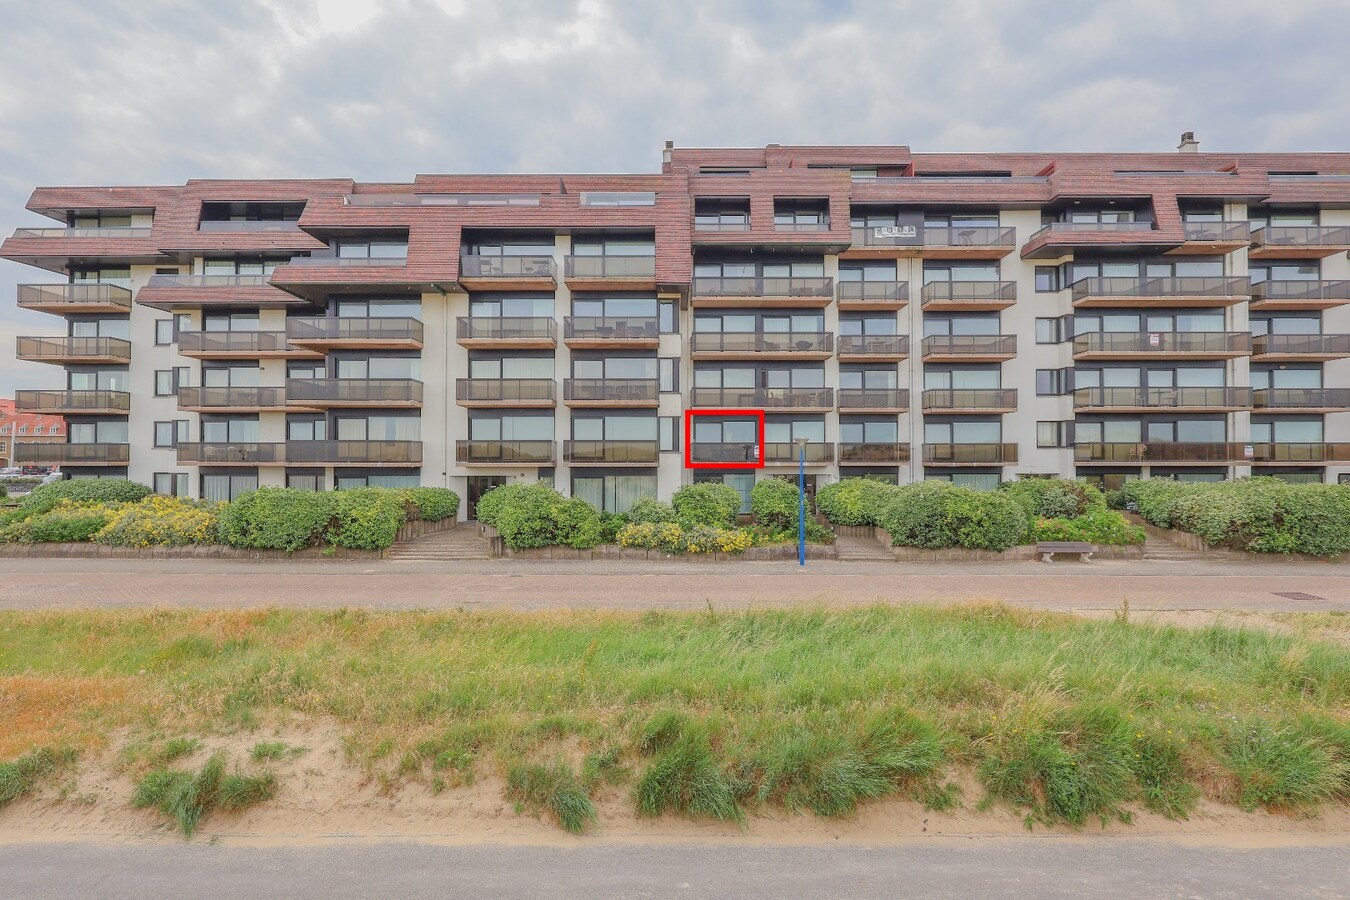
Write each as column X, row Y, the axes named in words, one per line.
column 861, row 549
column 459, row 543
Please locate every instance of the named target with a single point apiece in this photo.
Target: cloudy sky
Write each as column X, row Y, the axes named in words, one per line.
column 157, row 91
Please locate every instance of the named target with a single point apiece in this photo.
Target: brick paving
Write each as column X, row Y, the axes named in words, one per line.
column 533, row 585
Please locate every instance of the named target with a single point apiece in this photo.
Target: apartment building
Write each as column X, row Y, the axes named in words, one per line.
column 26, row 427
column 970, row 317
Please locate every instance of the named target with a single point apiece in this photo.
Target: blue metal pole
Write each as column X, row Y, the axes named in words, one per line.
column 801, row 505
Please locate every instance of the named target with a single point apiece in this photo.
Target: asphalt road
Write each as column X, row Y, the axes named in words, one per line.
column 939, row 868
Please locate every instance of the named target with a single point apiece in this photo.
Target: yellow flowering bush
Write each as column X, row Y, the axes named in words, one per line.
column 668, row 536
column 160, row 521
column 672, row 538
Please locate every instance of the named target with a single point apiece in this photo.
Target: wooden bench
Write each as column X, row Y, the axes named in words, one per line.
column 1048, row 549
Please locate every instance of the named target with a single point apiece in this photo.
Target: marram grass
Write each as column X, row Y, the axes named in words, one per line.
column 712, row 714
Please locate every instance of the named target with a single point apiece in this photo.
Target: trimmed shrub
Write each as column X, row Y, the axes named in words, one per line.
column 937, row 514
column 774, row 501
column 524, row 518
column 367, row 518
column 610, row 523
column 65, row 523
column 576, row 524
column 667, row 536
column 1053, row 498
column 82, row 490
column 649, row 509
column 670, row 537
column 160, row 521
column 706, row 503
column 1098, row 526
column 272, row 518
column 915, row 515
column 490, row 505
column 985, row 520
column 853, row 501
column 431, row 504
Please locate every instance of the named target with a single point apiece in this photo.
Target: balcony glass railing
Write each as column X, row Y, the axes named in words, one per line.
column 29, row 453
column 1300, row 453
column 872, row 291
column 768, row 398
column 791, row 452
column 72, row 348
column 1185, row 286
column 353, row 452
column 119, row 231
column 1061, row 229
column 530, row 453
column 1301, row 290
column 506, row 266
column 506, row 328
column 1162, row 342
column 258, row 226
column 874, row 344
column 353, row 391
column 709, row 452
column 601, row 452
column 752, row 286
column 611, row 390
column 231, row 397
column 207, row 282
column 969, row 454
column 230, row 453
column 240, row 342
column 1164, row 398
column 57, row 296
column 761, row 342
column 610, row 328
column 1158, row 452
column 1216, row 231
column 970, row 292
column 1301, row 398
column 1302, row 236
column 971, row 398
column 1301, row 344
column 505, row 390
column 959, row 236
column 609, row 266
column 873, row 453
column 391, row 328
column 56, row 402
column 873, row 398
column 970, row 345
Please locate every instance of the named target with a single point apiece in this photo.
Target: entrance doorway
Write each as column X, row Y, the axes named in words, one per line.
column 477, row 487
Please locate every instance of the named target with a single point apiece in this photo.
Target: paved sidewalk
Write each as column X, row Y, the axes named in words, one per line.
column 532, row 585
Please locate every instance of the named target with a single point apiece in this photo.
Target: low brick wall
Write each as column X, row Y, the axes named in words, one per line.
column 413, row 530
column 1194, row 542
column 613, row 551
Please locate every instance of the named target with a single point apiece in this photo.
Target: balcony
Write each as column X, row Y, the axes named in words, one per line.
column 1061, row 238
column 864, row 295
column 873, row 400
column 354, row 453
column 57, row 249
column 1300, row 400
column 751, row 291
column 1143, row 399
column 1300, row 347
column 382, row 333
column 1188, row 291
column 1299, row 454
column 505, row 453
column 706, row 452
column 873, row 454
column 968, row 296
column 136, row 232
column 969, row 347
column 31, row 454
column 788, row 453
column 1211, row 238
column 240, row 345
column 1164, row 344
column 250, row 226
column 506, row 332
column 1169, row 453
column 873, row 347
column 507, row 273
column 604, row 332
column 75, row 299
column 619, row 392
column 532, row 392
column 232, row 399
column 231, row 454
column 961, row 242
column 79, row 403
column 598, row 273
column 611, row 453
column 1276, row 295
column 73, row 350
column 761, row 345
column 969, row 454
column 971, row 401
column 325, row 393
column 794, row 399
column 176, row 292
column 1299, row 241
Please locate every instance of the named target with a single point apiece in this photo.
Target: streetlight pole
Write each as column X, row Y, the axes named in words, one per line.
column 801, row 501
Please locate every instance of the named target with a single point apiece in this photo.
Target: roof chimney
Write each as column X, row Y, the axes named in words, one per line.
column 667, row 153
column 1188, row 143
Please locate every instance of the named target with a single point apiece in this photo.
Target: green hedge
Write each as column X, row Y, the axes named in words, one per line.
column 82, row 490
column 536, row 515
column 853, row 501
column 1260, row 515
column 1097, row 526
column 649, row 509
column 936, row 514
column 273, row 518
column 68, row 523
column 1053, row 498
column 707, row 503
column 431, row 504
column 774, row 502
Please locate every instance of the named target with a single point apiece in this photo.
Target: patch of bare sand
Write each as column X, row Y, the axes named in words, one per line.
column 324, row 798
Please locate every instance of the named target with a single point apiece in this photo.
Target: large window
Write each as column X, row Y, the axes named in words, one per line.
column 963, row 432
column 373, row 248
column 222, row 487
column 216, row 374
column 869, row 431
column 108, row 328
column 380, row 308
column 108, row 431
column 598, row 426
column 391, row 478
column 377, row 428
column 487, row 366
column 511, row 307
column 380, row 367
column 613, row 493
column 741, row 482
column 962, row 379
column 507, row 427
column 242, row 266
column 230, row 429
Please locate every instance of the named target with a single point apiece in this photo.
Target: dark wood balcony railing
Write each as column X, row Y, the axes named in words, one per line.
column 231, row 397
column 601, row 452
column 1186, row 286
column 1217, row 231
column 1001, row 345
column 34, row 454
column 73, row 402
column 55, row 297
column 352, row 452
column 611, row 390
column 970, row 291
column 609, row 266
column 1236, row 343
column 970, row 398
column 751, row 286
column 240, row 342
column 768, row 398
column 1158, row 452
column 969, row 454
column 611, row 328
column 353, row 391
column 863, row 454
column 708, row 452
column 506, row 328
column 230, row 453
column 1301, row 398
column 1301, row 290
column 791, row 452
column 1301, row 344
column 873, row 398
column 880, row 292
column 761, row 342
column 1302, row 236
column 74, row 349
column 506, row 266
column 1216, row 398
column 1300, row 453
column 528, row 453
column 319, row 328
column 505, row 390
column 874, row 344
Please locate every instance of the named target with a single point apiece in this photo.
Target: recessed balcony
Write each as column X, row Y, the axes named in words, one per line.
column 599, row 273
column 240, row 345
column 761, row 345
column 1300, row 400
column 74, row 350
column 969, row 347
column 1299, row 295
column 969, row 454
column 75, row 299
column 932, row 242
column 377, row 333
column 1158, row 452
column 752, row 291
column 1299, row 241
column 531, row 392
column 1186, row 291
column 617, row 392
column 1300, row 347
column 80, row 403
column 231, row 454
column 1061, row 238
column 611, row 453
column 507, row 273
column 28, row 453
column 789, row 453
column 506, row 332
column 326, row 393
column 785, row 399
column 233, row 399
column 873, row 347
column 505, row 453
column 58, row 249
column 873, row 454
column 354, row 453
column 1162, row 344
column 605, row 332
column 1212, row 238
column 970, row 401
column 873, row 400
column 175, row 292
column 1151, row 399
column 968, row 296
column 1296, row 454
column 865, row 295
